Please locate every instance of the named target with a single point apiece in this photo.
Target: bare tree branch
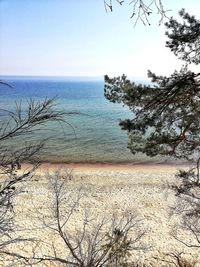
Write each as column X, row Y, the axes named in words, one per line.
column 14, row 126
column 95, row 242
column 141, row 9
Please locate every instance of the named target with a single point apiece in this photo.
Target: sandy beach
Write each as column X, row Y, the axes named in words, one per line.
column 105, row 189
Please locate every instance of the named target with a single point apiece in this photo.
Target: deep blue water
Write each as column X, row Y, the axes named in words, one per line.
column 97, row 137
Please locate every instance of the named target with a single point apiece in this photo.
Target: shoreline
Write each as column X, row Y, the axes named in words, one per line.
column 111, row 167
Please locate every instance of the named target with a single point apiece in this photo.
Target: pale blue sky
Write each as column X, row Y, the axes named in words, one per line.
column 78, row 38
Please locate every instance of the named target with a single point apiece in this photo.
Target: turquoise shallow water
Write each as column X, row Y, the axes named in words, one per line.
column 97, row 137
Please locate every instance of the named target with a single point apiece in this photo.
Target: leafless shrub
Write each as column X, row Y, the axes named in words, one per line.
column 83, row 240
column 178, row 259
column 15, row 126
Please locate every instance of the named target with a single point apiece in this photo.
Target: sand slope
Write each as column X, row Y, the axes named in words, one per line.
column 105, row 189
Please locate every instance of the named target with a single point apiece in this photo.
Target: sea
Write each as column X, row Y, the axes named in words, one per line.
column 91, row 134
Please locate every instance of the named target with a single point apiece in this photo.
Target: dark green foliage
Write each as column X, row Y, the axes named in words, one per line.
column 184, row 38
column 166, row 118
column 166, row 114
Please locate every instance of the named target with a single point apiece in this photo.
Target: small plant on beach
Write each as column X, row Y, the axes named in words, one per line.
column 188, row 191
column 120, row 248
column 166, row 116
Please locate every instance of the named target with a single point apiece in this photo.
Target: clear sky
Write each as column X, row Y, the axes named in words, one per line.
column 78, row 38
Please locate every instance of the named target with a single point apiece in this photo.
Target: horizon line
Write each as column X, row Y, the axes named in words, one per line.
column 84, row 77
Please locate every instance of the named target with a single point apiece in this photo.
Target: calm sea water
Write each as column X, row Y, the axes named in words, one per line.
column 97, row 137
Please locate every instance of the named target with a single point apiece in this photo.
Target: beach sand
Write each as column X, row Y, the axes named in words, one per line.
column 105, row 189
